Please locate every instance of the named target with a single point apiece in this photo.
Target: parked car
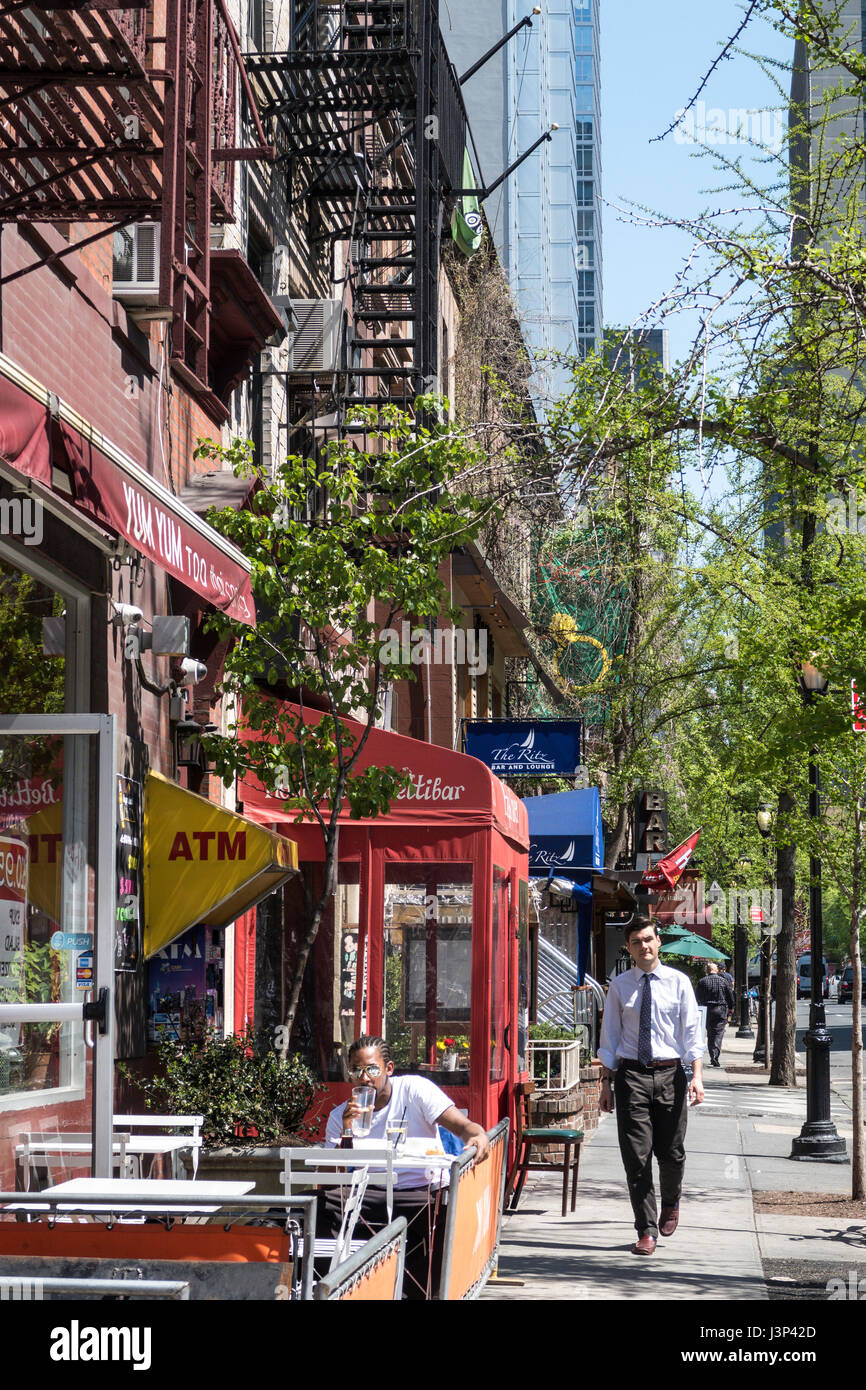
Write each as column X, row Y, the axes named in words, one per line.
column 804, row 977
column 846, row 986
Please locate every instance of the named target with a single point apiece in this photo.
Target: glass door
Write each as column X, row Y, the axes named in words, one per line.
column 57, row 947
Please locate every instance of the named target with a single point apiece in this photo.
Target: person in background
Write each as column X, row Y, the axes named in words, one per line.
column 419, row 1104
column 717, row 997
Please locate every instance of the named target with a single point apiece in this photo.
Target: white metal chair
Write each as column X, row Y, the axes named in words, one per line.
column 43, row 1155
column 187, row 1127
column 343, row 1244
column 327, row 1167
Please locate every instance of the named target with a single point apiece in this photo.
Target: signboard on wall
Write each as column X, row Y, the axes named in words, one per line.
column 14, row 869
column 127, row 927
column 540, row 747
column 651, row 824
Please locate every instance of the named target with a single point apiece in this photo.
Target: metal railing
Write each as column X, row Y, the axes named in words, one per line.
column 554, row 1065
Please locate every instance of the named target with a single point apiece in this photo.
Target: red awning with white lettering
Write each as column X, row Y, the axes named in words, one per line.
column 121, row 497
column 446, row 788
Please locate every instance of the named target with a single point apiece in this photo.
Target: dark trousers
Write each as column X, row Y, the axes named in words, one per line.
column 425, row 1234
column 717, row 1018
column 651, row 1115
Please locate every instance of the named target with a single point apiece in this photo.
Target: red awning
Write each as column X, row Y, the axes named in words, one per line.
column 125, row 499
column 25, row 433
column 447, row 788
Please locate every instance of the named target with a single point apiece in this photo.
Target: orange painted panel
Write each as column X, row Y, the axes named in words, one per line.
column 476, row 1222
column 94, row 1240
column 377, row 1284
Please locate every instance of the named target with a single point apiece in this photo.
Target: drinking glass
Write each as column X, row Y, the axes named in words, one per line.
column 364, row 1097
column 395, row 1132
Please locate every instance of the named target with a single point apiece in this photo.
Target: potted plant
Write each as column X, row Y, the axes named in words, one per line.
column 253, row 1102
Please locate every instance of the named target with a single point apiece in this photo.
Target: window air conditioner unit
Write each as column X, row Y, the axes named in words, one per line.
column 136, row 263
column 315, row 344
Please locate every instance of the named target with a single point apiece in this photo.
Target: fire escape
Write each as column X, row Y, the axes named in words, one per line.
column 370, row 127
column 109, row 117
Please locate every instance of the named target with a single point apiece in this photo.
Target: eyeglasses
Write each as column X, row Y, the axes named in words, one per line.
column 373, row 1070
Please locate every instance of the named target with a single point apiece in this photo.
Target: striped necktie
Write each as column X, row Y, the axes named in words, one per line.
column 644, row 1037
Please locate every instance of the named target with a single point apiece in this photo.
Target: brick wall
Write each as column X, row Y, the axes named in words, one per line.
column 576, row 1108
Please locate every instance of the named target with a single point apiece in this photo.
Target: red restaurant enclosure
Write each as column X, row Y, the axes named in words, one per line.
column 428, row 940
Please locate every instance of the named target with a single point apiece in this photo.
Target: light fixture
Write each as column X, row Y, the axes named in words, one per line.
column 764, row 818
column 187, row 742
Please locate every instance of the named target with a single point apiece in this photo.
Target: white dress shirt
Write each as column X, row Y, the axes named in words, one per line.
column 676, row 1022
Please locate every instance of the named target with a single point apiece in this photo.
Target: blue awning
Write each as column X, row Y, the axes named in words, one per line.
column 565, row 839
column 565, row 833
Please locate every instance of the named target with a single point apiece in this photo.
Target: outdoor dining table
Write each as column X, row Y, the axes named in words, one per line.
column 163, row 1196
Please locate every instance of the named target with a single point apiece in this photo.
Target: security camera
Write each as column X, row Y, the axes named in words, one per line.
column 191, row 672
column 125, row 614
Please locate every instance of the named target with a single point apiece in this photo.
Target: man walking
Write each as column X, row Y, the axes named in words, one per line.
column 717, row 997
column 651, row 1029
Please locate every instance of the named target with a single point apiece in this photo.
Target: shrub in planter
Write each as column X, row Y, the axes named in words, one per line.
column 245, row 1092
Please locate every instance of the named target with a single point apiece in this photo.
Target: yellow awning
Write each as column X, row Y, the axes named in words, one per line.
column 203, row 864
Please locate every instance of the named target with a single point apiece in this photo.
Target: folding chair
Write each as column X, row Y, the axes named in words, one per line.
column 327, row 1167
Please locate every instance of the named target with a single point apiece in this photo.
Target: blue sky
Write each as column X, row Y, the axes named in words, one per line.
column 653, row 57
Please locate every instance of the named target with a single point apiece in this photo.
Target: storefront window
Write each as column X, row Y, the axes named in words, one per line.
column 428, row 968
column 32, row 643
column 350, row 959
column 333, row 1009
column 499, row 975
column 523, row 974
column 186, row 987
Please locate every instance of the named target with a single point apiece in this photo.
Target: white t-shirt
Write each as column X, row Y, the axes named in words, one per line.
column 415, row 1101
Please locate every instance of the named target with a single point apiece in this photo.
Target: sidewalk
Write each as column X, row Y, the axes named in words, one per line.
column 722, row 1249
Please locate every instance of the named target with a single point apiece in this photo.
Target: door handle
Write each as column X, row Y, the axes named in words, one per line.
column 506, row 1037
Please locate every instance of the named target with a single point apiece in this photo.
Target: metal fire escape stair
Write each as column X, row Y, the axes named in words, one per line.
column 352, row 102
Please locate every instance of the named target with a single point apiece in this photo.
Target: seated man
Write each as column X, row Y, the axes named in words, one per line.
column 419, row 1104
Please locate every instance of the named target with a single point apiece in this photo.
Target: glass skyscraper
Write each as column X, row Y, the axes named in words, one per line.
column 546, row 218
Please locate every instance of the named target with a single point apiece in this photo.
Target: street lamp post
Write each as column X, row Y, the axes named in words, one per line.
column 741, row 953
column 764, row 818
column 817, row 1141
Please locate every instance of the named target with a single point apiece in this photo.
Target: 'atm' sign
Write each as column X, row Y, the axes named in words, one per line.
column 227, row 846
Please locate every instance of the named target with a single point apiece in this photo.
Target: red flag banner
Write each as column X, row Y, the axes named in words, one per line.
column 668, row 871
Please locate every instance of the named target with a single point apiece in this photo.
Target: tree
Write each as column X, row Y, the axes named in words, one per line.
column 335, row 543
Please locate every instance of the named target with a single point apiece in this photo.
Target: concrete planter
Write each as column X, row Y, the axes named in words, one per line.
column 258, row 1163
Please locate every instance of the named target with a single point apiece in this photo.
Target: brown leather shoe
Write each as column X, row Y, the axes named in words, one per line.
column 645, row 1246
column 669, row 1219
